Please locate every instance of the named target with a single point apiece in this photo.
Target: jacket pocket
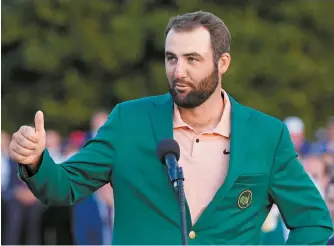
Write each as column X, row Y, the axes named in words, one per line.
column 251, row 179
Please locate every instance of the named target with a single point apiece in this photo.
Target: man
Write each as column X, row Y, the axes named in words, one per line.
column 237, row 161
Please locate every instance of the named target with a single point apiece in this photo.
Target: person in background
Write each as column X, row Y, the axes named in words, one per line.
column 274, row 231
column 330, row 204
column 325, row 146
column 21, row 211
column 54, row 143
column 5, row 166
column 24, row 214
column 5, row 177
column 75, row 141
column 330, row 135
column 318, row 170
column 93, row 218
column 296, row 129
column 326, row 143
column 97, row 120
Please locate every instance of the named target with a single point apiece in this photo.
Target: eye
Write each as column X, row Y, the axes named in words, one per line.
column 171, row 59
column 191, row 59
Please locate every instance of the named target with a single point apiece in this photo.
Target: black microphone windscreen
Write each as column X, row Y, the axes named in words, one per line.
column 168, row 146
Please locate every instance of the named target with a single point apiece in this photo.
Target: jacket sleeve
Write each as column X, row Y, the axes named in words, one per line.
column 83, row 173
column 299, row 201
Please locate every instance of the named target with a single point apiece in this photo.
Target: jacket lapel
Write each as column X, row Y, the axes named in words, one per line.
column 161, row 115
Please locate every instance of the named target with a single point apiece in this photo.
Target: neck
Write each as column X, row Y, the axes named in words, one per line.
column 206, row 116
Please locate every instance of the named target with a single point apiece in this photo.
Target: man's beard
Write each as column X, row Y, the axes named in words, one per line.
column 198, row 94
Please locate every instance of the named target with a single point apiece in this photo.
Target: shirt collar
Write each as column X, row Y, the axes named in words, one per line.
column 223, row 128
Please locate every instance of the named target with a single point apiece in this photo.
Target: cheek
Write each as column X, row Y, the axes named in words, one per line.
column 169, row 72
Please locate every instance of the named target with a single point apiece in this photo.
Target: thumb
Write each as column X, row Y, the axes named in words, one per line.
column 39, row 122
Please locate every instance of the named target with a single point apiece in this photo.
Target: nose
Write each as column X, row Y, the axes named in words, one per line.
column 180, row 71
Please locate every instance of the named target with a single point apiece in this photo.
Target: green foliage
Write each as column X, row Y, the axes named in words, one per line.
column 68, row 58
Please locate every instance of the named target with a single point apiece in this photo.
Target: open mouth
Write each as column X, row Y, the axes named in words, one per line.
column 181, row 88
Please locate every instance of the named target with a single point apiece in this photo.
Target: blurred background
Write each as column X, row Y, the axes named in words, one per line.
column 76, row 59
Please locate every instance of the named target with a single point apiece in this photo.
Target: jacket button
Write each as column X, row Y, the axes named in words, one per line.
column 192, row 235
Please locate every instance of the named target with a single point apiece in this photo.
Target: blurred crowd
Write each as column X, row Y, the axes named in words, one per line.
column 26, row 221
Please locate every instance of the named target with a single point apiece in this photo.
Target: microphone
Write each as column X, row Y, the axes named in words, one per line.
column 168, row 151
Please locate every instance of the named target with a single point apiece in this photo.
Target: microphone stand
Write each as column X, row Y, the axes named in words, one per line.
column 176, row 176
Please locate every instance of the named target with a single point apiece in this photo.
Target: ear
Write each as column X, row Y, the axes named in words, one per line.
column 224, row 63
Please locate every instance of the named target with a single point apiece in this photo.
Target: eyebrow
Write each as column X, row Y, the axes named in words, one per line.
column 168, row 53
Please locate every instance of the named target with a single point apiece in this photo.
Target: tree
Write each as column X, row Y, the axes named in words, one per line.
column 69, row 59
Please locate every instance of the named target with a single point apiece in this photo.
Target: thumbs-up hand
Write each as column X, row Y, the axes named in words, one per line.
column 28, row 143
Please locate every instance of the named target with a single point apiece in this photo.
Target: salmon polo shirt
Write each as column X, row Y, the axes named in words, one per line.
column 204, row 158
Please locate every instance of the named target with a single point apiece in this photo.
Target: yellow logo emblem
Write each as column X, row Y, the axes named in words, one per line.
column 245, row 199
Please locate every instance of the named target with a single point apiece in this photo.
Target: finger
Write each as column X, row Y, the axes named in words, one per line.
column 39, row 122
column 25, row 142
column 16, row 156
column 23, row 151
column 29, row 133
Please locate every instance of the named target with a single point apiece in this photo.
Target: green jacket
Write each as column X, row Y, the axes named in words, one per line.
column 262, row 161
